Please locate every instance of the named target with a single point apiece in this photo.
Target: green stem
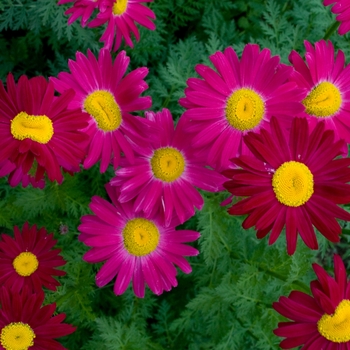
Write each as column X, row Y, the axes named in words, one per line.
column 331, row 30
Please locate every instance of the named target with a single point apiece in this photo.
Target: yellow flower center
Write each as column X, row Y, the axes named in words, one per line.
column 119, row 7
column 17, row 336
column 336, row 327
column 323, row 101
column 293, row 184
column 25, row 263
column 244, row 109
column 102, row 106
column 167, row 164
column 38, row 128
column 141, row 236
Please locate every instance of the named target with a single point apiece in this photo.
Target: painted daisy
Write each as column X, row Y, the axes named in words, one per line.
column 29, row 260
column 37, row 132
column 108, row 97
column 121, row 16
column 327, row 83
column 134, row 247
column 25, row 324
column 295, row 183
column 240, row 97
column 342, row 9
column 320, row 321
column 165, row 173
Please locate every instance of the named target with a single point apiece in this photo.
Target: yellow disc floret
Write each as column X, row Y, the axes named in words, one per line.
column 38, row 128
column 17, row 336
column 119, row 7
column 102, row 106
column 293, row 184
column 141, row 236
column 244, row 109
column 167, row 164
column 25, row 263
column 336, row 327
column 323, row 101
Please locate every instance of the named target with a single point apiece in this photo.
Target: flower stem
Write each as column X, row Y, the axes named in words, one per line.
column 331, row 30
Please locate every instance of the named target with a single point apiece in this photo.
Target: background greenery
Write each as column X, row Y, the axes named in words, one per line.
column 226, row 302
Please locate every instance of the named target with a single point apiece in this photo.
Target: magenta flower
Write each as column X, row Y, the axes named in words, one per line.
column 121, row 16
column 134, row 248
column 102, row 92
column 342, row 9
column 327, row 83
column 165, row 172
column 240, row 97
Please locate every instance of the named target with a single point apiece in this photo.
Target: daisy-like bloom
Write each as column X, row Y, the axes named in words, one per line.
column 240, row 97
column 29, row 260
column 342, row 9
column 81, row 8
column 26, row 325
column 108, row 97
column 320, row 321
column 295, row 184
column 121, row 16
column 327, row 83
column 134, row 247
column 165, row 173
column 37, row 132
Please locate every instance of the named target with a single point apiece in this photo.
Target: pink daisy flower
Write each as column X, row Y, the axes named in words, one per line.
column 320, row 321
column 81, row 8
column 134, row 248
column 240, row 97
column 37, row 132
column 327, row 83
column 108, row 97
column 342, row 9
column 121, row 16
column 165, row 173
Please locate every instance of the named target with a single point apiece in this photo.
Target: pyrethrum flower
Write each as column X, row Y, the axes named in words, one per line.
column 165, row 173
column 37, row 132
column 342, row 9
column 134, row 247
column 29, row 260
column 320, row 321
column 26, row 325
column 295, row 184
column 327, row 83
column 108, row 97
column 240, row 97
column 121, row 16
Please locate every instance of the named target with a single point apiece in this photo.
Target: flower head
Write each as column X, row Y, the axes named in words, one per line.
column 29, row 260
column 320, row 321
column 165, row 172
column 295, row 184
column 327, row 84
column 38, row 134
column 134, row 247
column 24, row 324
column 342, row 9
column 121, row 16
column 108, row 97
column 240, row 97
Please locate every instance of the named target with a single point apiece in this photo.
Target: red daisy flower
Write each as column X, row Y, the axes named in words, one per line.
column 165, row 173
column 28, row 260
column 342, row 9
column 108, row 98
column 24, row 324
column 121, row 16
column 240, row 97
column 134, row 248
column 320, row 321
column 37, row 132
column 295, row 184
